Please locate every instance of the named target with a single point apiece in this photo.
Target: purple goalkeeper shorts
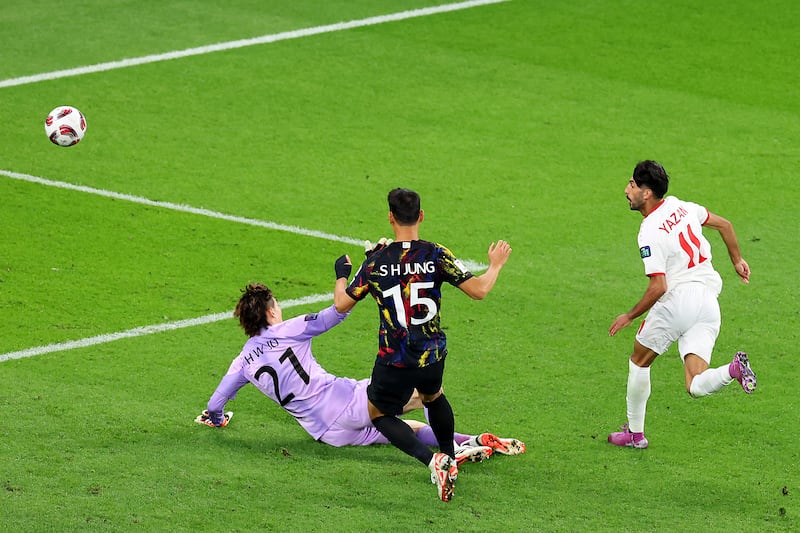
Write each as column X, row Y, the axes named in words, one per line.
column 353, row 427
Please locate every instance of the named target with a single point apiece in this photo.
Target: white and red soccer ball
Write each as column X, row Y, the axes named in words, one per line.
column 65, row 126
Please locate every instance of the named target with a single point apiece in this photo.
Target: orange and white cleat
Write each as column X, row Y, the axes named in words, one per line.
column 499, row 445
column 444, row 472
column 473, row 454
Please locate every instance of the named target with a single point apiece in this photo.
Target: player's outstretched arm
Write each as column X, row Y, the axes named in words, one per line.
column 655, row 290
column 216, row 415
column 343, row 302
column 478, row 287
column 726, row 231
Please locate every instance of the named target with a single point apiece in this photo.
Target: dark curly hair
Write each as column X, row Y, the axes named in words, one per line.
column 252, row 308
column 652, row 175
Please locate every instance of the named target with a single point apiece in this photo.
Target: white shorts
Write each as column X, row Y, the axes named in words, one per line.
column 689, row 314
column 354, row 427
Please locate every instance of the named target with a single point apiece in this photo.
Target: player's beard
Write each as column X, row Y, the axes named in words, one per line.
column 634, row 205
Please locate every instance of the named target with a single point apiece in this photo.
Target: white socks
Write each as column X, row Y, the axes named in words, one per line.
column 703, row 384
column 638, row 393
column 710, row 381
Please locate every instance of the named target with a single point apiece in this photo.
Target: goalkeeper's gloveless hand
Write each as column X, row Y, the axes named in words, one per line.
column 205, row 419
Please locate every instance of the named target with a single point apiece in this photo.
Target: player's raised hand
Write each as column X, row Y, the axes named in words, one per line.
column 499, row 252
column 343, row 267
column 370, row 248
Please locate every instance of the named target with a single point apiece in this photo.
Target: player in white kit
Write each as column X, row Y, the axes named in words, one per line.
column 277, row 359
column 681, row 297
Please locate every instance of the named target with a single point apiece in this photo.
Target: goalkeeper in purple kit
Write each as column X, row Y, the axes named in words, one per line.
column 277, row 359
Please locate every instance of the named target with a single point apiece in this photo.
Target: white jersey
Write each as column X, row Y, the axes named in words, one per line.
column 671, row 243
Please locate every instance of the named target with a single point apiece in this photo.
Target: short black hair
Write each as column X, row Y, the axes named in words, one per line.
column 404, row 205
column 652, row 175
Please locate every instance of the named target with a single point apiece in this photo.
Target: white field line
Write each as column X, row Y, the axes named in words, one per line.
column 181, row 207
column 158, row 328
column 473, row 266
column 264, row 39
column 148, row 330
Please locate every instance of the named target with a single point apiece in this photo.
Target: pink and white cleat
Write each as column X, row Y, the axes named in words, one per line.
column 740, row 370
column 626, row 438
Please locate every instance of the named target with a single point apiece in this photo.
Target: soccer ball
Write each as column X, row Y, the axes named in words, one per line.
column 65, row 126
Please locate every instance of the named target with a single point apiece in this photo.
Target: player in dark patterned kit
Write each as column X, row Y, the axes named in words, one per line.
column 395, row 274
column 405, row 278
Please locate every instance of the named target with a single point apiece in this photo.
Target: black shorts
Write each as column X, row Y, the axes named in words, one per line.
column 391, row 387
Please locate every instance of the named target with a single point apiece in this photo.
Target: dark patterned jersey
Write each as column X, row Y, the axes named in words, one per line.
column 406, row 278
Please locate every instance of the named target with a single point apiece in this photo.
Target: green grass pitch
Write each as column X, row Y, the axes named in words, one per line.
column 518, row 120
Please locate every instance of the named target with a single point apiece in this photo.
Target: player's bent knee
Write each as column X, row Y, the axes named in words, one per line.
column 430, row 398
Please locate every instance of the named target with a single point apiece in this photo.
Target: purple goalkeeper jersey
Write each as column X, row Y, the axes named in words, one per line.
column 279, row 362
